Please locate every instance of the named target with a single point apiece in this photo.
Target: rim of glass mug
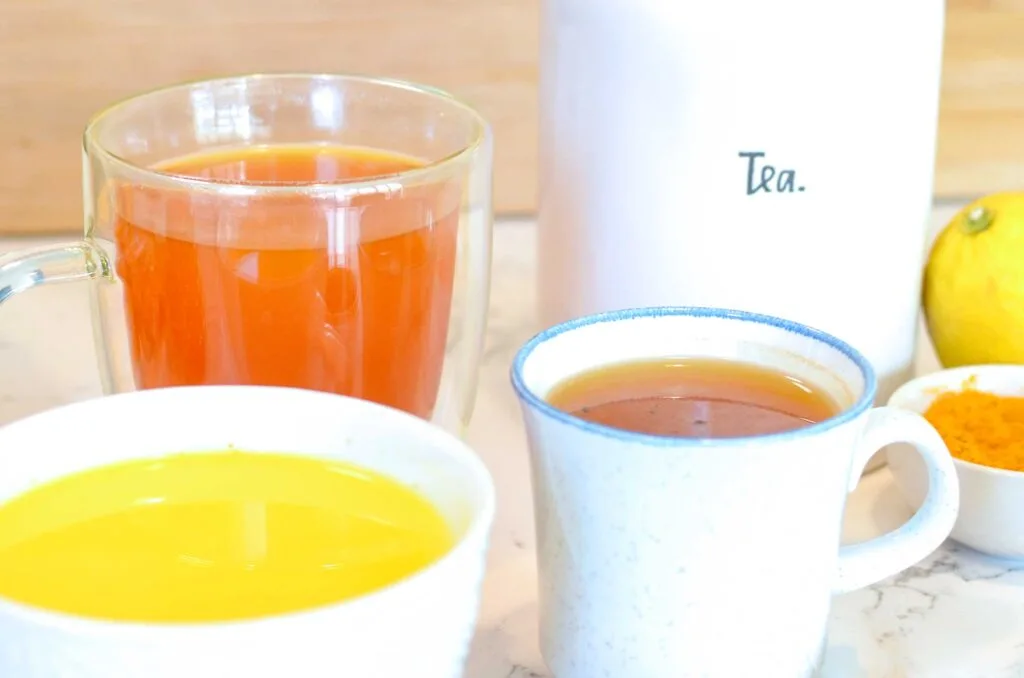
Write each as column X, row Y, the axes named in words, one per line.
column 863, row 403
column 93, row 146
column 441, row 442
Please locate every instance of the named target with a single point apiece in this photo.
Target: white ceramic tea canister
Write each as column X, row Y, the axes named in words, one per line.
column 770, row 157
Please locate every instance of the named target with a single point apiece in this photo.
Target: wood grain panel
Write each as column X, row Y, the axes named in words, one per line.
column 61, row 60
column 981, row 126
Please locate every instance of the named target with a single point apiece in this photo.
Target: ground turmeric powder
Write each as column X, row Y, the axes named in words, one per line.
column 980, row 427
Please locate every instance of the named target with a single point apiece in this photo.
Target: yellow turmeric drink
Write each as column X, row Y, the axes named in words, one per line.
column 213, row 536
column 982, row 428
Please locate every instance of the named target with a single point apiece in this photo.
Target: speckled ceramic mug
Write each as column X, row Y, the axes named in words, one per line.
column 664, row 557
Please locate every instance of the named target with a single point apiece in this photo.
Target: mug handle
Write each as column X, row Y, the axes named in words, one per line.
column 866, row 563
column 64, row 262
column 70, row 261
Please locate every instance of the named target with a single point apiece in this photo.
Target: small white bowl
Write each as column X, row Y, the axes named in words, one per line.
column 991, row 516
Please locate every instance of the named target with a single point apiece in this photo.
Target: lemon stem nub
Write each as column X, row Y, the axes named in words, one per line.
column 976, row 220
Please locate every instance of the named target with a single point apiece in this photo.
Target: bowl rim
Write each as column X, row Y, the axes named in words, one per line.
column 946, row 377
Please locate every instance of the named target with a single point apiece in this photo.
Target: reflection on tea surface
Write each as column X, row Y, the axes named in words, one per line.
column 693, row 397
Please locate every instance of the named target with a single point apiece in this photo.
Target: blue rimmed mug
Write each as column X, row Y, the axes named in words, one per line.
column 685, row 557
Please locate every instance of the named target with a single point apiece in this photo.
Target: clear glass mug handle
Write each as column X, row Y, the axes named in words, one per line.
column 70, row 261
column 63, row 262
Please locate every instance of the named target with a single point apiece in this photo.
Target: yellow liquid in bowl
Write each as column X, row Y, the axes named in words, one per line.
column 213, row 537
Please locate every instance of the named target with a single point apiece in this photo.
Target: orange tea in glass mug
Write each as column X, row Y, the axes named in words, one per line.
column 314, row 231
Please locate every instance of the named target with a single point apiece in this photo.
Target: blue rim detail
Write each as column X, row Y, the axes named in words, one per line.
column 864, row 403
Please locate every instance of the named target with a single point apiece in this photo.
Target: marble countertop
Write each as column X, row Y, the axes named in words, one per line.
column 956, row 615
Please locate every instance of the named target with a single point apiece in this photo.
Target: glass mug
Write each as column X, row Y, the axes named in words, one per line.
column 365, row 272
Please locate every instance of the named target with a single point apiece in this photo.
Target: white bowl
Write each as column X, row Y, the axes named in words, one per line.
column 991, row 516
column 419, row 626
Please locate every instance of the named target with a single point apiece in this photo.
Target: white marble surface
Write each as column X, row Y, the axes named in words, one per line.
column 956, row 615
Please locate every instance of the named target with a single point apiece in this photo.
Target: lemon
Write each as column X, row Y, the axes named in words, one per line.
column 973, row 289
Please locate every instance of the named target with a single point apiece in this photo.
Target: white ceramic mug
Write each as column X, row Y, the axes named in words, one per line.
column 678, row 558
column 420, row 626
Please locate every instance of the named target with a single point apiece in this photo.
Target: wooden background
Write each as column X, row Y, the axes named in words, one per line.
column 61, row 60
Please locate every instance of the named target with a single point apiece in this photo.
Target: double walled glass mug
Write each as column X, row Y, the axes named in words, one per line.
column 324, row 232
